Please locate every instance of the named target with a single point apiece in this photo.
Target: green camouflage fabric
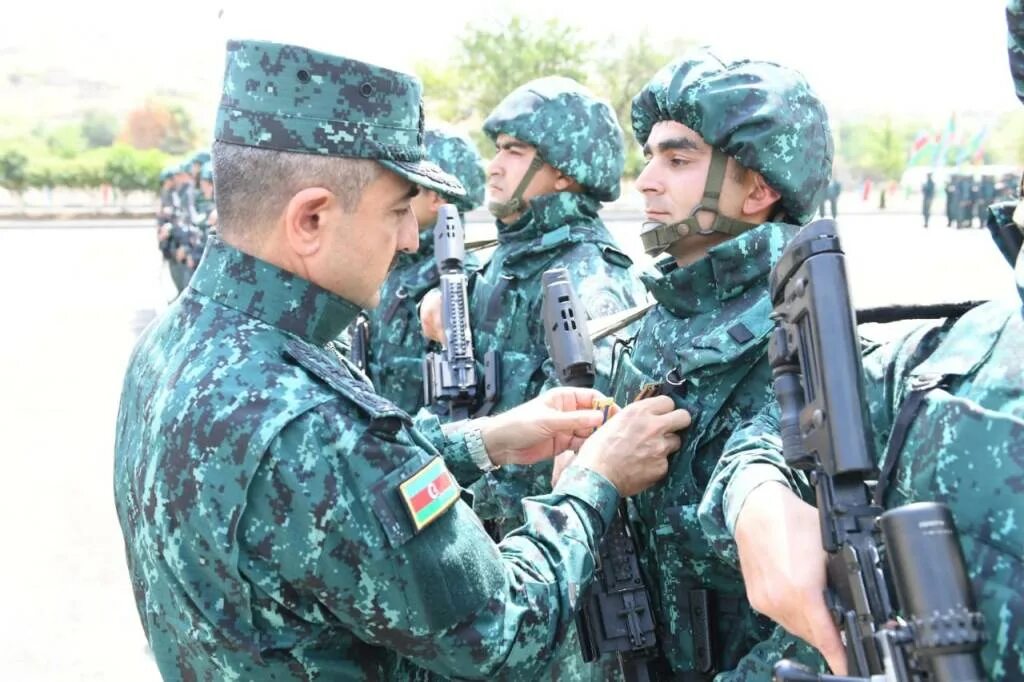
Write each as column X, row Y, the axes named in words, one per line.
column 558, row 230
column 572, row 130
column 201, row 157
column 397, row 345
column 1015, row 44
column 708, row 338
column 294, row 99
column 456, row 155
column 962, row 449
column 764, row 115
column 256, row 481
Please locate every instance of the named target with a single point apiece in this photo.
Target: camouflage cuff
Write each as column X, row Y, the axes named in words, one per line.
column 452, row 447
column 591, row 488
column 744, row 483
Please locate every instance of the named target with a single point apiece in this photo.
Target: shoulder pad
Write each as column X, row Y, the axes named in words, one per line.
column 616, row 257
column 327, row 367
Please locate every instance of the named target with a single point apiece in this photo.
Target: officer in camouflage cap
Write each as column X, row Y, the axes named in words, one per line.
column 281, row 520
column 957, row 385
column 739, row 154
column 396, row 345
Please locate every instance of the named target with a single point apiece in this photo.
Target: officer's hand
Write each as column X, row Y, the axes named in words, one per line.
column 555, row 421
column 779, row 540
column 632, row 449
column 561, row 463
column 430, row 316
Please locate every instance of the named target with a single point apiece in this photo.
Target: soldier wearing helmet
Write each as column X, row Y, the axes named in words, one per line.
column 944, row 403
column 558, row 155
column 395, row 354
column 739, row 154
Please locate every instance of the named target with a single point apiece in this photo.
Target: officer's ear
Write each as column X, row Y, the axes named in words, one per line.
column 306, row 218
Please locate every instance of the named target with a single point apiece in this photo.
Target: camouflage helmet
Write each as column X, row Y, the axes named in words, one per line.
column 201, row 157
column 206, row 171
column 457, row 155
column 168, row 172
column 764, row 115
column 573, row 131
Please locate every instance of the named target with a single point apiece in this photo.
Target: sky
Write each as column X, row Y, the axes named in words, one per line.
column 906, row 57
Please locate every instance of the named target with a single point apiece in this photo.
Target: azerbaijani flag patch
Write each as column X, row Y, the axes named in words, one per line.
column 428, row 493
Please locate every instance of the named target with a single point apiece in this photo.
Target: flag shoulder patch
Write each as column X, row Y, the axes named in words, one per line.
column 428, row 493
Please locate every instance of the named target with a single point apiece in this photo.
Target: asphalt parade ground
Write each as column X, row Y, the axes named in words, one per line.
column 75, row 296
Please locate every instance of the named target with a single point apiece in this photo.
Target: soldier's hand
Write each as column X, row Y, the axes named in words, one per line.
column 555, row 421
column 430, row 316
column 164, row 232
column 561, row 463
column 778, row 536
column 211, row 219
column 179, row 254
column 631, row 450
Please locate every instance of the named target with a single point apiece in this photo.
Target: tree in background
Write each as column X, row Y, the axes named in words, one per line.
column 14, row 171
column 99, row 128
column 157, row 125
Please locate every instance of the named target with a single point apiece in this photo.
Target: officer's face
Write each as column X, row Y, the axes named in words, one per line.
column 672, row 182
column 361, row 246
column 512, row 158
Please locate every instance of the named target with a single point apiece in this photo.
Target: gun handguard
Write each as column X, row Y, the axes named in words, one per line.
column 449, row 377
column 615, row 614
column 819, row 383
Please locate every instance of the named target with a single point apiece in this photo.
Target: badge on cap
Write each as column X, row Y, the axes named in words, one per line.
column 428, row 493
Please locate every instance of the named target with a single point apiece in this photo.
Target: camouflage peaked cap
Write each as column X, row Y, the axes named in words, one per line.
column 572, row 130
column 294, row 99
column 457, row 156
column 763, row 114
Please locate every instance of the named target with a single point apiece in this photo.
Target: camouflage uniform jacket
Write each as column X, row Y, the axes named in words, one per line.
column 560, row 230
column 708, row 336
column 397, row 345
column 975, row 368
column 257, row 486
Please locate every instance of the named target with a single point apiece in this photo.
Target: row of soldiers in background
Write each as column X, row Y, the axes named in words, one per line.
column 187, row 215
column 967, row 197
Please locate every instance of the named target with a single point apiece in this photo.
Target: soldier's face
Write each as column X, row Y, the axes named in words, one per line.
column 425, row 206
column 360, row 248
column 672, row 182
column 512, row 158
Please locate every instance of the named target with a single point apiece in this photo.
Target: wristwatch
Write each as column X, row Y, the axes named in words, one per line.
column 477, row 451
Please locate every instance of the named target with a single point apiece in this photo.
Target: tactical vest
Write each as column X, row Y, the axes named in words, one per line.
column 705, row 624
column 958, row 438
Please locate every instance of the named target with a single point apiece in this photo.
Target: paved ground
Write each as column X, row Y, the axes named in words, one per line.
column 76, row 294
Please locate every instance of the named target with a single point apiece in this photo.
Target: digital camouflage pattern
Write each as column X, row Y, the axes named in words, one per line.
column 707, row 338
column 457, row 156
column 764, row 115
column 558, row 230
column 397, row 345
column 572, row 130
column 962, row 449
column 294, row 99
column 256, row 482
column 1015, row 44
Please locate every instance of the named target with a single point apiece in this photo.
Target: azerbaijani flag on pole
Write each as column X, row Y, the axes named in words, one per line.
column 945, row 139
column 919, row 147
column 974, row 150
column 429, row 492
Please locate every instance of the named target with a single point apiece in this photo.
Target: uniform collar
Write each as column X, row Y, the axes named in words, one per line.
column 547, row 213
column 728, row 269
column 277, row 297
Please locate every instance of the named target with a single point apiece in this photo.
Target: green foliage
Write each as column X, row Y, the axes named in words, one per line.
column 131, row 169
column 66, row 141
column 493, row 60
column 876, row 147
column 13, row 170
column 181, row 134
column 99, row 128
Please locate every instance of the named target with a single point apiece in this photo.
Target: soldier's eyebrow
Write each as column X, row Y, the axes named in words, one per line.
column 681, row 143
column 513, row 144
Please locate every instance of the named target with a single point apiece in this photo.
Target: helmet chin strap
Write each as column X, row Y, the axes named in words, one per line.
column 657, row 237
column 516, row 204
